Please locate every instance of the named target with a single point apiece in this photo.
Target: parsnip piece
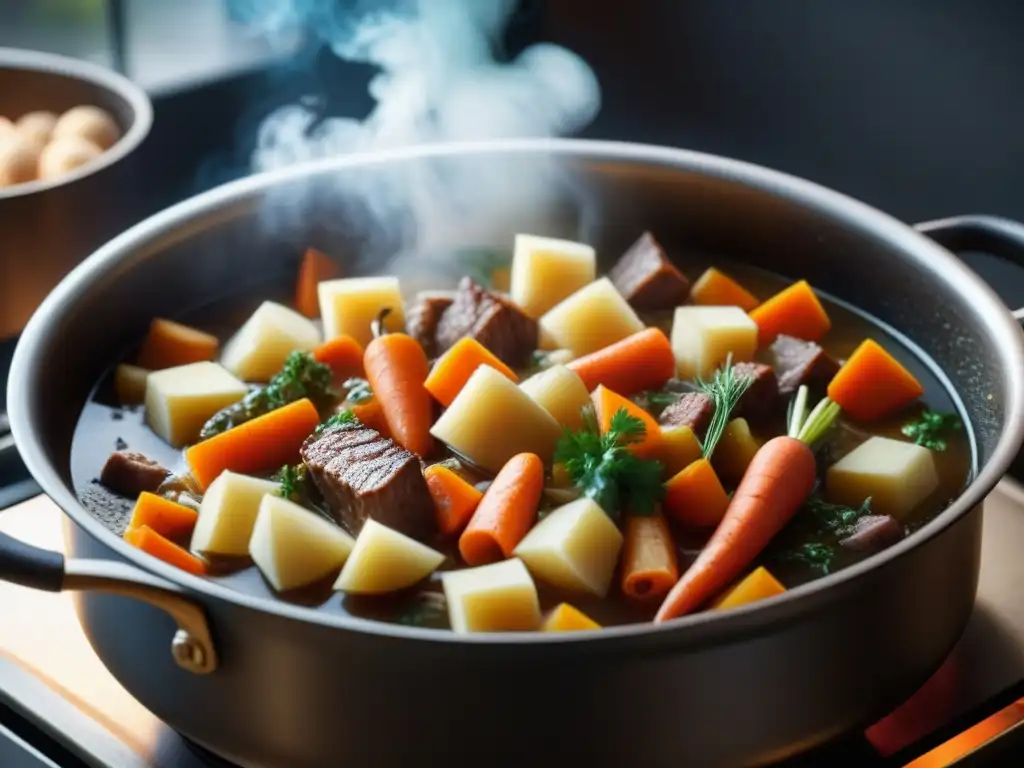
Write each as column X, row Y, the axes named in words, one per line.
column 500, row 597
column 351, row 304
column 576, row 547
column 590, row 319
column 546, row 270
column 703, row 337
column 179, row 400
column 492, row 419
column 384, row 560
column 897, row 475
column 735, row 451
column 561, row 393
column 228, row 513
column 130, row 384
column 258, row 350
column 294, row 547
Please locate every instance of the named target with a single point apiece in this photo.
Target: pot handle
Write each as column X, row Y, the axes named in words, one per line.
column 28, row 566
column 988, row 234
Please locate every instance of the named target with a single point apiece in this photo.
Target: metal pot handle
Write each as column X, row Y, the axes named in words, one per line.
column 192, row 645
column 988, row 234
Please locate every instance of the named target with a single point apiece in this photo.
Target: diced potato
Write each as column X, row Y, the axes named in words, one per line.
column 897, row 475
column 757, row 585
column 294, row 547
column 384, row 560
column 228, row 512
column 678, row 449
column 561, row 393
column 180, row 400
column 546, row 270
column 735, row 451
column 500, row 597
column 492, row 419
column 565, row 618
column 261, row 345
column 576, row 547
column 590, row 319
column 351, row 304
column 130, row 384
column 703, row 337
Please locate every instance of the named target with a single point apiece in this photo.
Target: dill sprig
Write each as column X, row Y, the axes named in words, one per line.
column 725, row 389
column 930, row 426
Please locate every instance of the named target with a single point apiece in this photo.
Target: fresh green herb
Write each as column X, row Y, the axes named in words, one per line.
column 604, row 469
column 725, row 390
column 815, row 555
column 336, row 419
column 427, row 609
column 811, row 427
column 930, row 427
column 481, row 263
column 292, row 480
column 358, row 391
column 660, row 399
column 837, row 519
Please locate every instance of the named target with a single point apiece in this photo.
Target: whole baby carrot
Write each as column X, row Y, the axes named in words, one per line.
column 505, row 513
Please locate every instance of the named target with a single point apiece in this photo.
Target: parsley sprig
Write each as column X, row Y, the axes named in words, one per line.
column 930, row 428
column 292, row 480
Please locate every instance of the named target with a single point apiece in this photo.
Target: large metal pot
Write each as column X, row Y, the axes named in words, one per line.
column 47, row 227
column 264, row 683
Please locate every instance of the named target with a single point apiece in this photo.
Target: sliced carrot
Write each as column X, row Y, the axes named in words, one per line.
column 452, row 370
column 506, row 512
column 756, row 585
column 454, row 499
column 152, row 543
column 649, row 564
column 169, row 344
column 695, row 496
column 608, row 403
column 265, row 443
column 343, row 355
column 641, row 361
column 565, row 618
column 872, row 384
column 679, row 449
column 314, row 268
column 369, row 413
column 168, row 518
column 794, row 311
column 717, row 289
column 777, row 482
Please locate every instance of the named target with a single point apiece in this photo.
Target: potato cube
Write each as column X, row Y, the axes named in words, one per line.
column 180, row 400
column 678, row 449
column 258, row 350
column 590, row 319
column 735, row 451
column 294, row 547
column 500, row 597
column 703, row 337
column 561, row 393
column 492, row 419
column 545, row 271
column 897, row 475
column 576, row 547
column 130, row 384
column 384, row 560
column 351, row 304
column 228, row 512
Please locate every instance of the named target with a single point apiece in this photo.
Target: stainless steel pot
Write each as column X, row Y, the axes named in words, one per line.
column 264, row 683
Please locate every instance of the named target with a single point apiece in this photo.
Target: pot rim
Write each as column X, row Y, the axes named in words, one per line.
column 1004, row 333
column 107, row 79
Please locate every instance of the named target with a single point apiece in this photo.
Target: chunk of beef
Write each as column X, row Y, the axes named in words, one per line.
column 873, row 533
column 801, row 362
column 492, row 320
column 362, row 474
column 422, row 319
column 129, row 473
column 762, row 396
column 647, row 279
column 693, row 410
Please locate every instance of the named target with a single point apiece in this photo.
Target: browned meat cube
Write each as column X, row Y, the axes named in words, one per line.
column 873, row 533
column 362, row 474
column 647, row 279
column 423, row 317
column 693, row 410
column 801, row 362
column 762, row 396
column 129, row 473
column 492, row 320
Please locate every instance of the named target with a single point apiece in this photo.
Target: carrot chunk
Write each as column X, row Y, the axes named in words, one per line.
column 168, row 518
column 649, row 564
column 607, row 403
column 397, row 368
column 152, row 543
column 169, row 344
column 453, row 369
column 314, row 268
column 506, row 512
column 454, row 499
column 794, row 311
column 565, row 618
column 641, row 361
column 265, row 443
column 695, row 496
column 370, row 414
column 872, row 384
column 343, row 355
column 756, row 585
column 717, row 289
